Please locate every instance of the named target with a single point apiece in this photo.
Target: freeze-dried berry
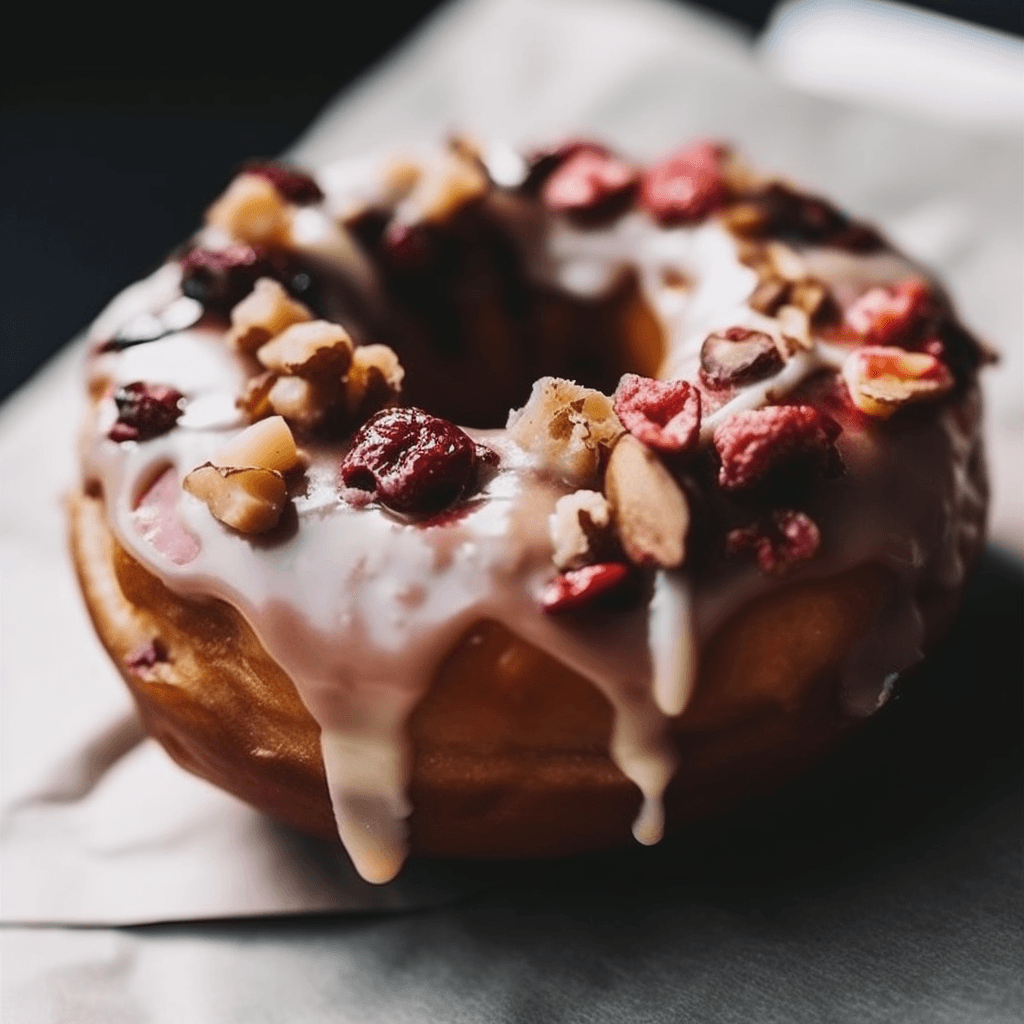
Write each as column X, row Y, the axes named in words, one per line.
column 581, row 588
column 738, row 356
column 410, row 461
column 541, row 164
column 686, row 186
column 590, row 184
column 295, row 184
column 891, row 316
column 665, row 415
column 145, row 411
column 221, row 278
column 751, row 444
column 777, row 542
column 778, row 211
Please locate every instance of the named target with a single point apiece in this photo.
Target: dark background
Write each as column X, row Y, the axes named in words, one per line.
column 119, row 126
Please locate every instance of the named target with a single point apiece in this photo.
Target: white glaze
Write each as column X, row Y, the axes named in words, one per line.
column 359, row 608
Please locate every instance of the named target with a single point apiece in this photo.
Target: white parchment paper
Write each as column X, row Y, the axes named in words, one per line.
column 97, row 826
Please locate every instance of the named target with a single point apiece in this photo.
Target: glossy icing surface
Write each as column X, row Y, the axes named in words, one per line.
column 360, row 606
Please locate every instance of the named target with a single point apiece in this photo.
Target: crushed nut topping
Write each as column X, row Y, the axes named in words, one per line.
column 580, row 529
column 268, row 444
column 882, row 379
column 665, row 415
column 374, row 380
column 570, row 428
column 253, row 211
column 314, row 349
column 248, row 500
column 649, row 508
column 751, row 444
column 265, row 312
column 777, row 542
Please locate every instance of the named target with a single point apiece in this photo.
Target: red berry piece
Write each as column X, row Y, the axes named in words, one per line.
column 891, row 316
column 753, row 443
column 664, row 415
column 221, row 278
column 146, row 657
column 592, row 183
column 777, row 542
column 145, row 411
column 686, row 186
column 738, row 356
column 409, row 247
column 295, row 184
column 410, row 461
column 580, row 588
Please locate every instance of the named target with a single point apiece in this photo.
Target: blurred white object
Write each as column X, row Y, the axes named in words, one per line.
column 899, row 57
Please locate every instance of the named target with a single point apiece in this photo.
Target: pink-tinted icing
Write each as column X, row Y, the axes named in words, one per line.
column 360, row 607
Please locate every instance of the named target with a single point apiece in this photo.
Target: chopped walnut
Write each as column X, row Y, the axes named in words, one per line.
column 312, row 350
column 308, row 404
column 265, row 445
column 265, row 312
column 580, row 529
column 443, row 190
column 255, row 399
column 374, row 379
column 569, row 427
column 252, row 210
column 795, row 326
column 248, row 500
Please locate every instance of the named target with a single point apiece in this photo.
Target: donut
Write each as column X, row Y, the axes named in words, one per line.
column 477, row 502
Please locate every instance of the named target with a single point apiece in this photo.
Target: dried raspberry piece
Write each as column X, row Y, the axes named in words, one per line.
column 738, row 356
column 589, row 184
column 145, row 411
column 891, row 316
column 580, row 588
column 410, row 461
column 542, row 163
column 882, row 379
column 221, row 278
column 410, row 247
column 686, row 186
column 295, row 184
column 665, row 415
column 751, row 444
column 778, row 541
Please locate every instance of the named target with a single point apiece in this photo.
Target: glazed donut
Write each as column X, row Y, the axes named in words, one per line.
column 473, row 503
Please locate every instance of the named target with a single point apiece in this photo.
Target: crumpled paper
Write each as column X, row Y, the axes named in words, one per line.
column 97, row 826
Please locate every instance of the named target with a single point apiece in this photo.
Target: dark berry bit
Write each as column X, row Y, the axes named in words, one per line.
column 543, row 163
column 686, row 186
column 738, row 356
column 590, row 184
column 751, row 444
column 664, row 415
column 779, row 211
column 777, row 542
column 295, row 184
column 410, row 461
column 580, row 588
column 221, row 278
column 145, row 411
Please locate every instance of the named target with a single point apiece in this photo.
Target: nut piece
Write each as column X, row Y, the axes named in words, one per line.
column 569, row 427
column 314, row 349
column 253, row 211
column 442, row 191
column 247, row 500
column 308, row 405
column 580, row 529
column 795, row 326
column 649, row 508
column 374, row 379
column 881, row 379
column 265, row 445
column 266, row 311
column 255, row 399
